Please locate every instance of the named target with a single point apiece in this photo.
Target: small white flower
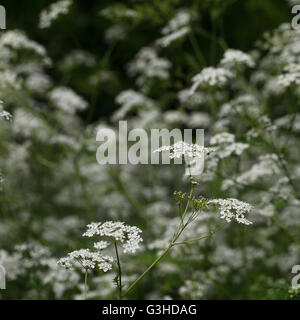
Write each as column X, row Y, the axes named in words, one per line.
column 211, row 77
column 53, row 12
column 128, row 236
column 236, row 57
column 233, row 209
column 148, row 65
column 129, row 100
column 185, row 149
column 87, row 259
column 4, row 114
column 101, row 245
column 67, row 100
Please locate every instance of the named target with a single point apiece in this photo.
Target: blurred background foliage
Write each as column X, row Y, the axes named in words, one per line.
column 223, row 24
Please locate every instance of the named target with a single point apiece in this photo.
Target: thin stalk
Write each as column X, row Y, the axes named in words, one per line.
column 119, row 272
column 85, row 283
column 147, row 270
column 89, row 206
column 203, row 237
column 176, row 235
column 196, row 48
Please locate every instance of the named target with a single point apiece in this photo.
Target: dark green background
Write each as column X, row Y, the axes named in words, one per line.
column 239, row 22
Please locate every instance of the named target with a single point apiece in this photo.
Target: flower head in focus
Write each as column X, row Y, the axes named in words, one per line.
column 87, row 259
column 128, row 236
column 233, row 209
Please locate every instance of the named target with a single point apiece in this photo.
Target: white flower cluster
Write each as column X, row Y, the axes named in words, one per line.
column 292, row 75
column 78, row 58
column 194, row 100
column 128, row 236
column 181, row 19
column 32, row 254
column 267, row 165
column 101, row 245
column 53, row 12
column 119, row 12
column 128, row 100
column 87, row 259
column 116, row 32
column 9, row 80
column 211, row 77
column 29, row 124
column 236, row 57
column 65, row 140
column 168, row 39
column 67, row 100
column 176, row 28
column 147, row 65
column 223, row 137
column 60, row 279
column 185, row 149
column 4, row 114
column 233, row 209
column 227, row 145
column 17, row 40
column 38, row 82
column 243, row 104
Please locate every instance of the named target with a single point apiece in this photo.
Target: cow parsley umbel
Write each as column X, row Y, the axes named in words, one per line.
column 233, row 209
column 116, row 233
column 127, row 236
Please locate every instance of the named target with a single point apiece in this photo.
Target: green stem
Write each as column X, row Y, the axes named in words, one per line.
column 85, row 284
column 147, row 270
column 203, row 237
column 89, row 206
column 119, row 272
column 196, row 48
column 176, row 235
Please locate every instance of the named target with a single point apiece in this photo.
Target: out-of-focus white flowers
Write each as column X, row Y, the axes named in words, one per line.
column 233, row 209
column 17, row 40
column 236, row 57
column 226, row 145
column 29, row 124
column 53, row 12
column 78, row 58
column 267, row 165
column 9, row 80
column 38, row 82
column 181, row 19
column 147, row 65
column 4, row 114
column 128, row 236
column 119, row 11
column 116, row 32
column 177, row 28
column 192, row 101
column 67, row 100
column 211, row 77
column 130, row 100
column 168, row 39
column 291, row 76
